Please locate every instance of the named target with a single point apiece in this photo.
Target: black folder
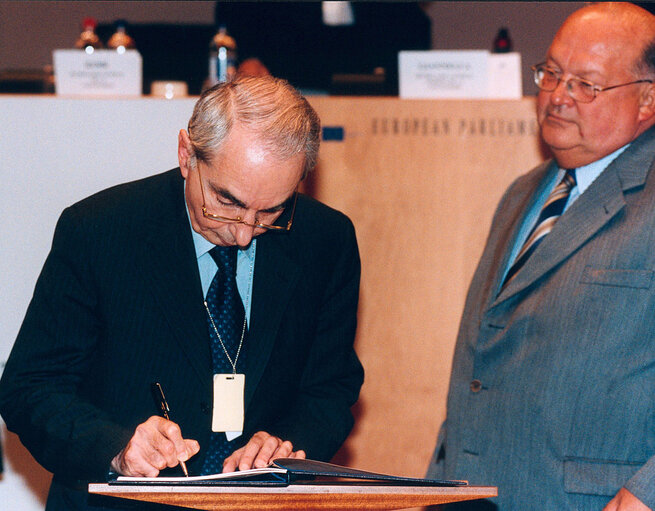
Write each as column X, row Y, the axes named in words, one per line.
column 286, row 471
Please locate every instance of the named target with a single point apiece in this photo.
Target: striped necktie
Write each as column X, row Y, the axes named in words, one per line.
column 227, row 319
column 550, row 212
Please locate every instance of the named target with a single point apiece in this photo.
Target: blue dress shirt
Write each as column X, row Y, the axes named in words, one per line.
column 584, row 176
column 207, row 267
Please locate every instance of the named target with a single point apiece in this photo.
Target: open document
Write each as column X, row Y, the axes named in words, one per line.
column 285, row 471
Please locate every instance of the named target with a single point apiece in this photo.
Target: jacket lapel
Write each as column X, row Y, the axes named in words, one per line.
column 172, row 272
column 520, row 201
column 275, row 278
column 601, row 202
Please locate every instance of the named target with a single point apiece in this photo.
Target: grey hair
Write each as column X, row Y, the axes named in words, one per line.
column 275, row 112
column 646, row 63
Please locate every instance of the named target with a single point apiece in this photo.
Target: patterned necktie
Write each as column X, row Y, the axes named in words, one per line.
column 550, row 212
column 228, row 317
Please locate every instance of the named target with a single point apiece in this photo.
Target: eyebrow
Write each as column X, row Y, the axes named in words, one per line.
column 584, row 75
column 239, row 203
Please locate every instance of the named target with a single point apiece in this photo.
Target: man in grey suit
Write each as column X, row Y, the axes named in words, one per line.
column 552, row 393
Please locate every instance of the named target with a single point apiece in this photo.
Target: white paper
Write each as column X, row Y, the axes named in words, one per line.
column 101, row 73
column 505, row 76
column 460, row 74
column 240, row 474
column 443, row 74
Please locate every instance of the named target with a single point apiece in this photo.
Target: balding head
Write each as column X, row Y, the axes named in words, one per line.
column 628, row 23
column 609, row 45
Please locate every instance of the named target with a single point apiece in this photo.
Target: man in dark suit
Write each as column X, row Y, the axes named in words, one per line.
column 119, row 305
column 551, row 394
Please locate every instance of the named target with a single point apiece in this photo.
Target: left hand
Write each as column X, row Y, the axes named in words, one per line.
column 259, row 452
column 625, row 501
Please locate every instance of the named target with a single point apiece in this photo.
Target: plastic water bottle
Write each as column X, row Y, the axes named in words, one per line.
column 222, row 58
column 88, row 39
column 120, row 40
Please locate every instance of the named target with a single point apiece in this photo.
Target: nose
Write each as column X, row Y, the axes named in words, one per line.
column 243, row 234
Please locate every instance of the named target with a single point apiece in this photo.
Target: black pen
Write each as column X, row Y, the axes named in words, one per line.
column 158, row 392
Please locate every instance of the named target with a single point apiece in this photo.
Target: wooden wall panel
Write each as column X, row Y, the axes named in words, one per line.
column 420, row 180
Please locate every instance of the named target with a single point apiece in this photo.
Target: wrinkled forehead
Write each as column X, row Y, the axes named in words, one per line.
column 622, row 27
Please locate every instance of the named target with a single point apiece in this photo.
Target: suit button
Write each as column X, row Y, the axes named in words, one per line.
column 476, row 386
column 204, row 407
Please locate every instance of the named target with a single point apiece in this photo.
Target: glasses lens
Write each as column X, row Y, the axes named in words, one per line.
column 228, row 220
column 580, row 90
column 545, row 78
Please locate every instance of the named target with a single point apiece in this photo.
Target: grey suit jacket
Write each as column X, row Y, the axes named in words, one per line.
column 552, row 394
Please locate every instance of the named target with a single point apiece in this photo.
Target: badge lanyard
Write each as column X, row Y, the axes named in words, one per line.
column 228, row 411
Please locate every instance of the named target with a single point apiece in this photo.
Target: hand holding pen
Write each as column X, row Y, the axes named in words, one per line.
column 158, row 392
column 155, row 445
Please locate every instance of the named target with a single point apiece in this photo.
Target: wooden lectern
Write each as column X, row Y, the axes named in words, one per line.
column 304, row 497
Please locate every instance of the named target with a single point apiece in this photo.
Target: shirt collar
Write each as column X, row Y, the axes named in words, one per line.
column 201, row 244
column 586, row 174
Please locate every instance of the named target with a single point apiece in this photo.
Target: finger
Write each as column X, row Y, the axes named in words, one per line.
column 232, row 461
column 132, row 461
column 251, row 451
column 171, row 444
column 123, row 466
column 153, row 447
column 298, row 455
column 192, row 447
column 248, row 452
column 162, row 451
column 138, row 463
column 156, row 441
column 147, row 446
column 284, row 450
column 266, row 452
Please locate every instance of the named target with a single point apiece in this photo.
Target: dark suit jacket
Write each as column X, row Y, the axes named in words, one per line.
column 118, row 305
column 564, row 412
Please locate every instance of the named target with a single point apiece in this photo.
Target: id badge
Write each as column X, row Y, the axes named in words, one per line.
column 228, row 402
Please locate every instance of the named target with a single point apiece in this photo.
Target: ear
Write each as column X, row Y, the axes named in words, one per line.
column 647, row 103
column 184, row 152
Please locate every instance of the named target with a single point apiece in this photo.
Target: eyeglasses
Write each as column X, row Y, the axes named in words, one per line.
column 239, row 220
column 583, row 91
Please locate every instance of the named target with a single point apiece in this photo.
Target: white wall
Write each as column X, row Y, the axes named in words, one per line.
column 54, row 152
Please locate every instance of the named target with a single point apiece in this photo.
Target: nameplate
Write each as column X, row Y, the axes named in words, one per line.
column 100, row 73
column 504, row 71
column 459, row 74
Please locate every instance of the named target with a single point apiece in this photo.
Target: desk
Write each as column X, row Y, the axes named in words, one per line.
column 301, row 497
